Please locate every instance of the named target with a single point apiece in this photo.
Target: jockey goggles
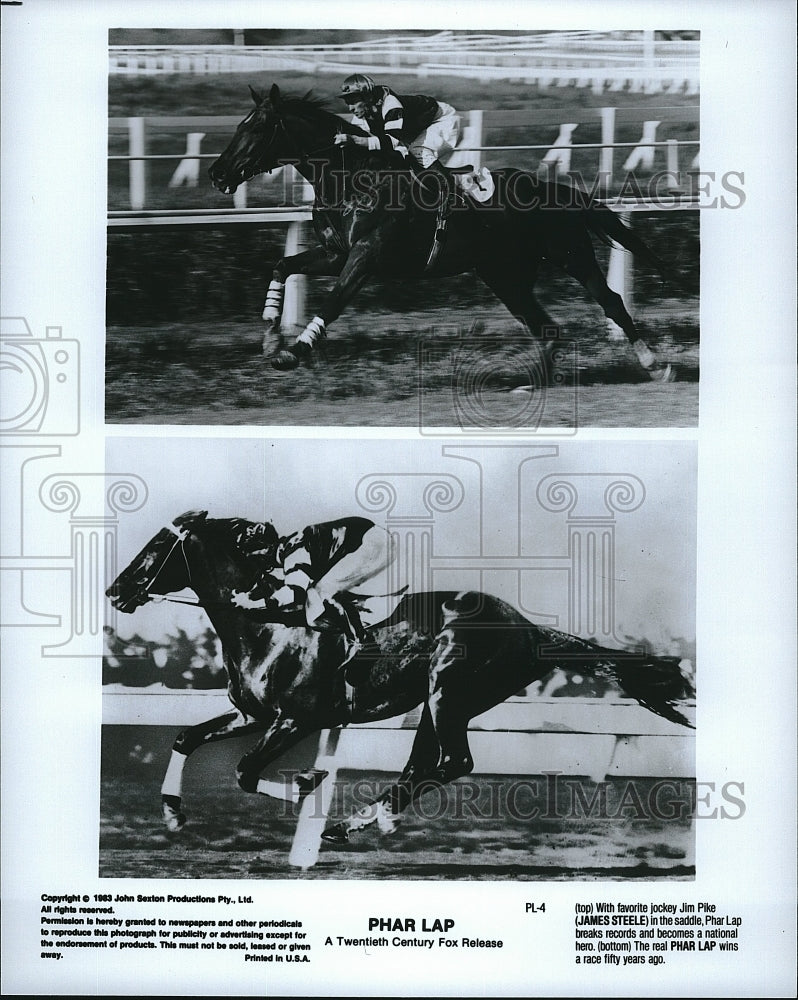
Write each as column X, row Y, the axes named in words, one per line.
column 356, row 88
column 355, row 97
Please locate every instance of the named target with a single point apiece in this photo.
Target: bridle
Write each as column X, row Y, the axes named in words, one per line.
column 180, row 536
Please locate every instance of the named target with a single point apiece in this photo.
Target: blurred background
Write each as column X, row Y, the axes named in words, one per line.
column 188, row 266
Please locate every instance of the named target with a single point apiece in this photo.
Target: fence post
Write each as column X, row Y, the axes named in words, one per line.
column 137, row 141
column 607, row 151
column 316, row 806
column 560, row 152
column 188, row 170
column 620, row 278
column 296, row 284
column 475, row 137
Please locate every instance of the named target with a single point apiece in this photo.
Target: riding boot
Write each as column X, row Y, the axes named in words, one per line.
column 360, row 658
column 446, row 198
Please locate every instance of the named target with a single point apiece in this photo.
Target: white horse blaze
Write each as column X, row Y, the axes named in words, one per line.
column 274, row 300
column 173, row 779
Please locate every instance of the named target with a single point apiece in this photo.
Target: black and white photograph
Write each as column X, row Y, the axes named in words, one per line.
column 397, row 537
column 360, row 227
column 518, row 617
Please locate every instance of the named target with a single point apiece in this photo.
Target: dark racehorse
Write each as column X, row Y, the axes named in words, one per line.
column 457, row 654
column 375, row 217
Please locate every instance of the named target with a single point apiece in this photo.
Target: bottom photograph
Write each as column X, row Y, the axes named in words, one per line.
column 411, row 659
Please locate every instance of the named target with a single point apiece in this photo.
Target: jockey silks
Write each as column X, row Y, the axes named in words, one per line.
column 398, row 119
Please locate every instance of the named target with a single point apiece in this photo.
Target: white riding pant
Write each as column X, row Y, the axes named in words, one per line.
column 364, row 572
column 438, row 140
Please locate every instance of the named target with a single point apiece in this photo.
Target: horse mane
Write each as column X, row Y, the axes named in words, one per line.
column 312, row 107
column 226, row 531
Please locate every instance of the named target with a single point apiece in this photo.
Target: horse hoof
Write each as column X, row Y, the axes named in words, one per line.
column 272, row 340
column 336, row 834
column 309, row 781
column 285, row 361
column 174, row 819
column 666, row 374
column 175, row 823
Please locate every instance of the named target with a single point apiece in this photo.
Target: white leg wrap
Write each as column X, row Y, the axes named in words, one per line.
column 313, row 332
column 274, row 300
column 363, row 817
column 386, row 821
column 173, row 779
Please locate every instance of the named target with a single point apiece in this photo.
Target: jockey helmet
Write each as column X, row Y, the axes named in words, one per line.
column 357, row 87
column 259, row 538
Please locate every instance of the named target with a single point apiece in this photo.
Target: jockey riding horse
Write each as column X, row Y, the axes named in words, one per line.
column 321, row 572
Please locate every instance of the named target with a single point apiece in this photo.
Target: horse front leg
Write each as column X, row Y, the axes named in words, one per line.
column 283, row 734
column 314, row 262
column 221, row 727
column 352, row 276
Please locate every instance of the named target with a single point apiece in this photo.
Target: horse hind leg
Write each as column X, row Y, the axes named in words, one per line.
column 588, row 274
column 386, row 809
column 514, row 287
column 440, row 750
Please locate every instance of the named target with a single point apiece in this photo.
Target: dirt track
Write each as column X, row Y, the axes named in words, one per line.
column 485, row 827
column 402, row 370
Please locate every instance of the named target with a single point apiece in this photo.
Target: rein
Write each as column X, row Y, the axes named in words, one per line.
column 180, row 537
column 158, row 598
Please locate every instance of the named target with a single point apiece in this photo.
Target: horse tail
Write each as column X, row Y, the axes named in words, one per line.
column 655, row 682
column 610, row 230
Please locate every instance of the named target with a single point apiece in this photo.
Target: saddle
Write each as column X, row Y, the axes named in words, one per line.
column 439, row 180
column 479, row 186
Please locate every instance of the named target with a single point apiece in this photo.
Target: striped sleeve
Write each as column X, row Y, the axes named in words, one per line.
column 393, row 117
column 296, row 561
column 393, row 121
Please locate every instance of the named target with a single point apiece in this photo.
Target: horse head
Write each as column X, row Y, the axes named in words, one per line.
column 211, row 556
column 160, row 568
column 278, row 130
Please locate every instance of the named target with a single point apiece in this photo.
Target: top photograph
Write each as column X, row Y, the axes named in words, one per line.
column 443, row 231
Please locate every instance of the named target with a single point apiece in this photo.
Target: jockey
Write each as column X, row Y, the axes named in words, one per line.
column 426, row 129
column 315, row 571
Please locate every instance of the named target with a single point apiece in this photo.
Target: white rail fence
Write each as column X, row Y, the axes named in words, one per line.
column 556, row 157
column 641, row 63
column 557, row 154
column 597, row 738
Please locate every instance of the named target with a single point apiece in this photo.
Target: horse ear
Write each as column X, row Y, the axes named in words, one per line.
column 190, row 517
column 274, row 96
column 256, row 97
